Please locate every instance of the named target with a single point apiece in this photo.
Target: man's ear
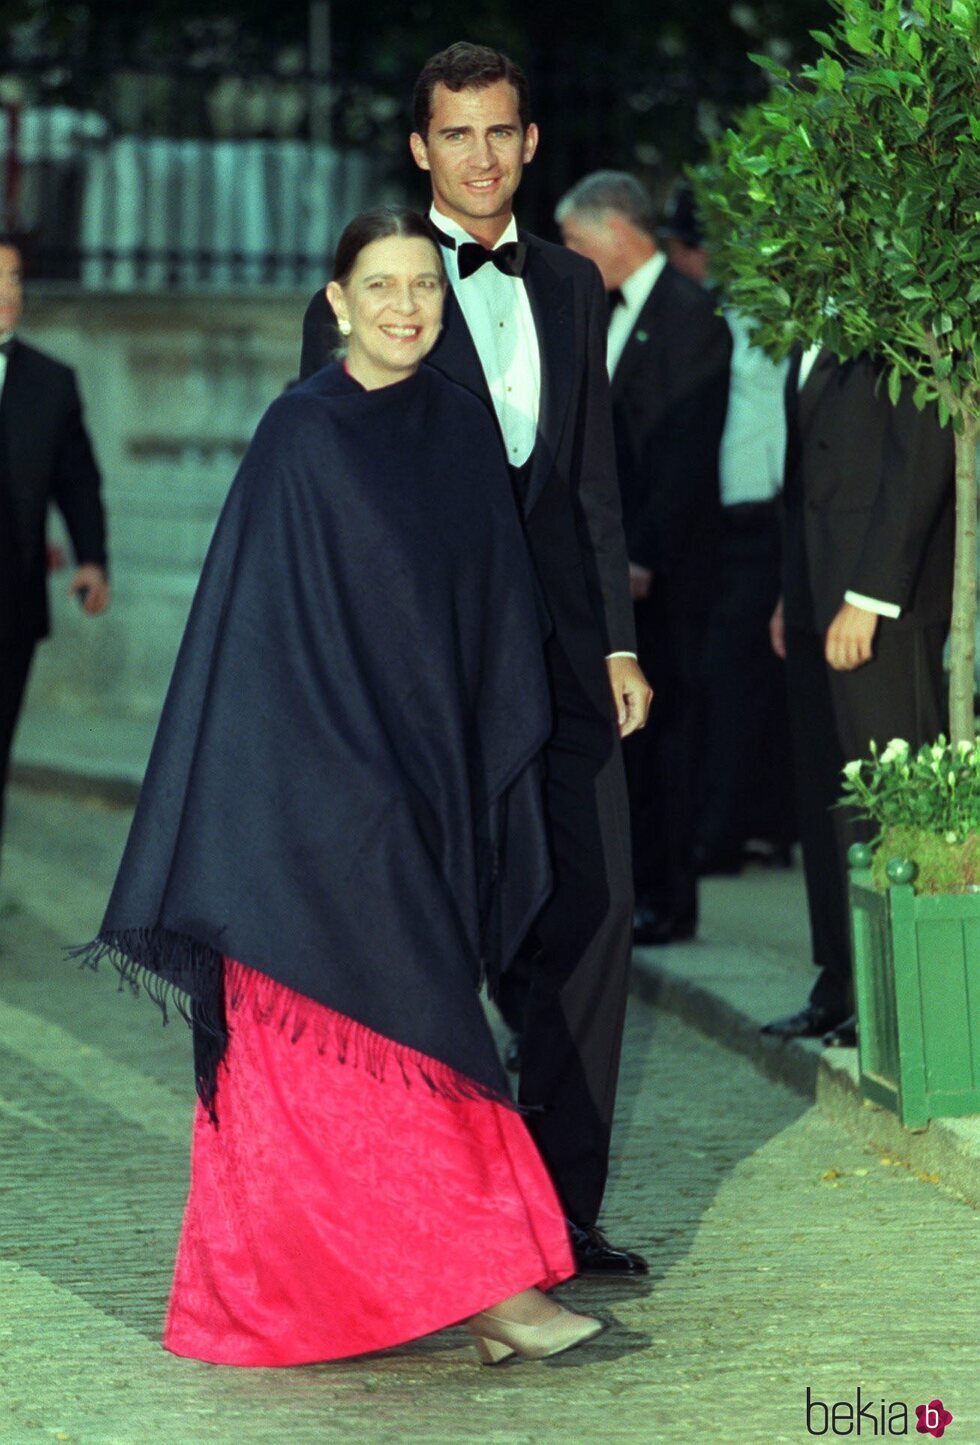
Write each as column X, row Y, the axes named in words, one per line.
column 530, row 143
column 420, row 152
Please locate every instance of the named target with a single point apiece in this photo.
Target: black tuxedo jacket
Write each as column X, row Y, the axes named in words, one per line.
column 868, row 498
column 571, row 509
column 45, row 457
column 670, row 393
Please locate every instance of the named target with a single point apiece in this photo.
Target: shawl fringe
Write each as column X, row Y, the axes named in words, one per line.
column 210, row 984
column 178, row 972
column 293, row 1014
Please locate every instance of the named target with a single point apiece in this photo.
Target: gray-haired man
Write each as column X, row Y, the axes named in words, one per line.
column 667, row 354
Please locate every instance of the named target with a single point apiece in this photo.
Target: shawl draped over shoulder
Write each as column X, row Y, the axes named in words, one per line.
column 343, row 793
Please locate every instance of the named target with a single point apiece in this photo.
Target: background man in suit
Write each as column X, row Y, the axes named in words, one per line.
column 524, row 329
column 667, row 353
column 45, row 456
column 867, row 577
column 746, row 769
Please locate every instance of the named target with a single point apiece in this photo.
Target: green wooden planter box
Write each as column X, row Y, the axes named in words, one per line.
column 917, row 987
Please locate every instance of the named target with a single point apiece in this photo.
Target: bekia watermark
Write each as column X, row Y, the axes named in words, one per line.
column 869, row 1417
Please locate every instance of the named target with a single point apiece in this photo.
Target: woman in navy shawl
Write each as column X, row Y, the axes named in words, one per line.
column 339, row 838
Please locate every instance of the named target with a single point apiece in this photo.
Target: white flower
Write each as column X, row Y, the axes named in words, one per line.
column 938, row 751
column 964, row 746
column 852, row 770
column 896, row 749
column 950, row 837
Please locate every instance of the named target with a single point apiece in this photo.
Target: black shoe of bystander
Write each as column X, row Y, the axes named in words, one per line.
column 844, row 1036
column 812, row 1022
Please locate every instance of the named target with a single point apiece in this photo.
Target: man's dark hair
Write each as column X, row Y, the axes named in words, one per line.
column 467, row 67
column 376, row 225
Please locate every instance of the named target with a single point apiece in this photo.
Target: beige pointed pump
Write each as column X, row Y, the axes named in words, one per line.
column 497, row 1339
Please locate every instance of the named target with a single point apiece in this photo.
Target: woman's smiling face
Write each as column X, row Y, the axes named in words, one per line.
column 392, row 300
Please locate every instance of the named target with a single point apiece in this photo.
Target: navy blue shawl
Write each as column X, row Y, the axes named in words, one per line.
column 343, row 792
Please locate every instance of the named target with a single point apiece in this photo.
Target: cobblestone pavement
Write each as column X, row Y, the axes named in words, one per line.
column 783, row 1255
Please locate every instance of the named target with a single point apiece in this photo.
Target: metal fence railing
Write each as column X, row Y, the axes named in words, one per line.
column 212, row 185
column 122, row 173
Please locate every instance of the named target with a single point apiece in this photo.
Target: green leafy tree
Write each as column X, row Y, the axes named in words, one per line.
column 845, row 210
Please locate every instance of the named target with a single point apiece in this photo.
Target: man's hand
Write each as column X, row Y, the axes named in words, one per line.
column 850, row 638
column 640, row 580
column 777, row 631
column 96, row 587
column 631, row 693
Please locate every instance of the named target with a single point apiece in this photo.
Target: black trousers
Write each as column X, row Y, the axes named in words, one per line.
column 746, row 769
column 577, row 965
column 662, row 761
column 15, row 668
column 834, row 717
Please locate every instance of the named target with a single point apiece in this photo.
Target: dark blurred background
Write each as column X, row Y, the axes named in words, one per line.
column 136, row 135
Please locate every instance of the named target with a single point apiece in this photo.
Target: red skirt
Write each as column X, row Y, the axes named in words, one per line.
column 332, row 1213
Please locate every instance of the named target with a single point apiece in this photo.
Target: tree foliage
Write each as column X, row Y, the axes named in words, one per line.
column 845, row 210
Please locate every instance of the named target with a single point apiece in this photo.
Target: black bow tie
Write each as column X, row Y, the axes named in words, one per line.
column 508, row 258
column 615, row 298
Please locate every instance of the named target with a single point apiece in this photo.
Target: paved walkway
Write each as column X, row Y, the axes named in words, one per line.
column 784, row 1255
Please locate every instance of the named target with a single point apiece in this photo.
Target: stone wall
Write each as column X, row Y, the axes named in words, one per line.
column 173, row 388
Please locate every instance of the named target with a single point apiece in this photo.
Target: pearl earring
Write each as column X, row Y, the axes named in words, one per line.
column 343, row 327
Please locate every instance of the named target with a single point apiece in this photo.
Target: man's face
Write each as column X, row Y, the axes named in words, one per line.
column 11, row 296
column 598, row 235
column 475, row 152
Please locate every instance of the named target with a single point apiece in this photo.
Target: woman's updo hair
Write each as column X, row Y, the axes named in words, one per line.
column 376, row 225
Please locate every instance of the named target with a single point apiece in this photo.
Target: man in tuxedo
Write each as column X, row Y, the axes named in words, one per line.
column 523, row 329
column 867, row 587
column 45, row 457
column 667, row 353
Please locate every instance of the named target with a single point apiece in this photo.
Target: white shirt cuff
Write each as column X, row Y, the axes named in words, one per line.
column 621, row 654
column 873, row 604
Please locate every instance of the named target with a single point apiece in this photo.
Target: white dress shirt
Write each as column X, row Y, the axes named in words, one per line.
column 753, row 444
column 498, row 313
column 856, row 599
column 636, row 291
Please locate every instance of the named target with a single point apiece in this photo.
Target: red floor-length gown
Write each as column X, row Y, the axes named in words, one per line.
column 332, row 1212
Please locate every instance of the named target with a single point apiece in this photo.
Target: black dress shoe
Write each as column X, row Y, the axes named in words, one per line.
column 595, row 1255
column 844, row 1036
column 651, row 928
column 812, row 1022
column 771, row 855
column 713, row 861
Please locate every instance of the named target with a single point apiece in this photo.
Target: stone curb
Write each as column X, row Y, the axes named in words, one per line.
column 946, row 1153
column 73, row 782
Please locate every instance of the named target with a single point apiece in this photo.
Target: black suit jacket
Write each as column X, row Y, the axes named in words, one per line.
column 670, row 393
column 868, row 499
column 45, row 457
column 571, row 509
